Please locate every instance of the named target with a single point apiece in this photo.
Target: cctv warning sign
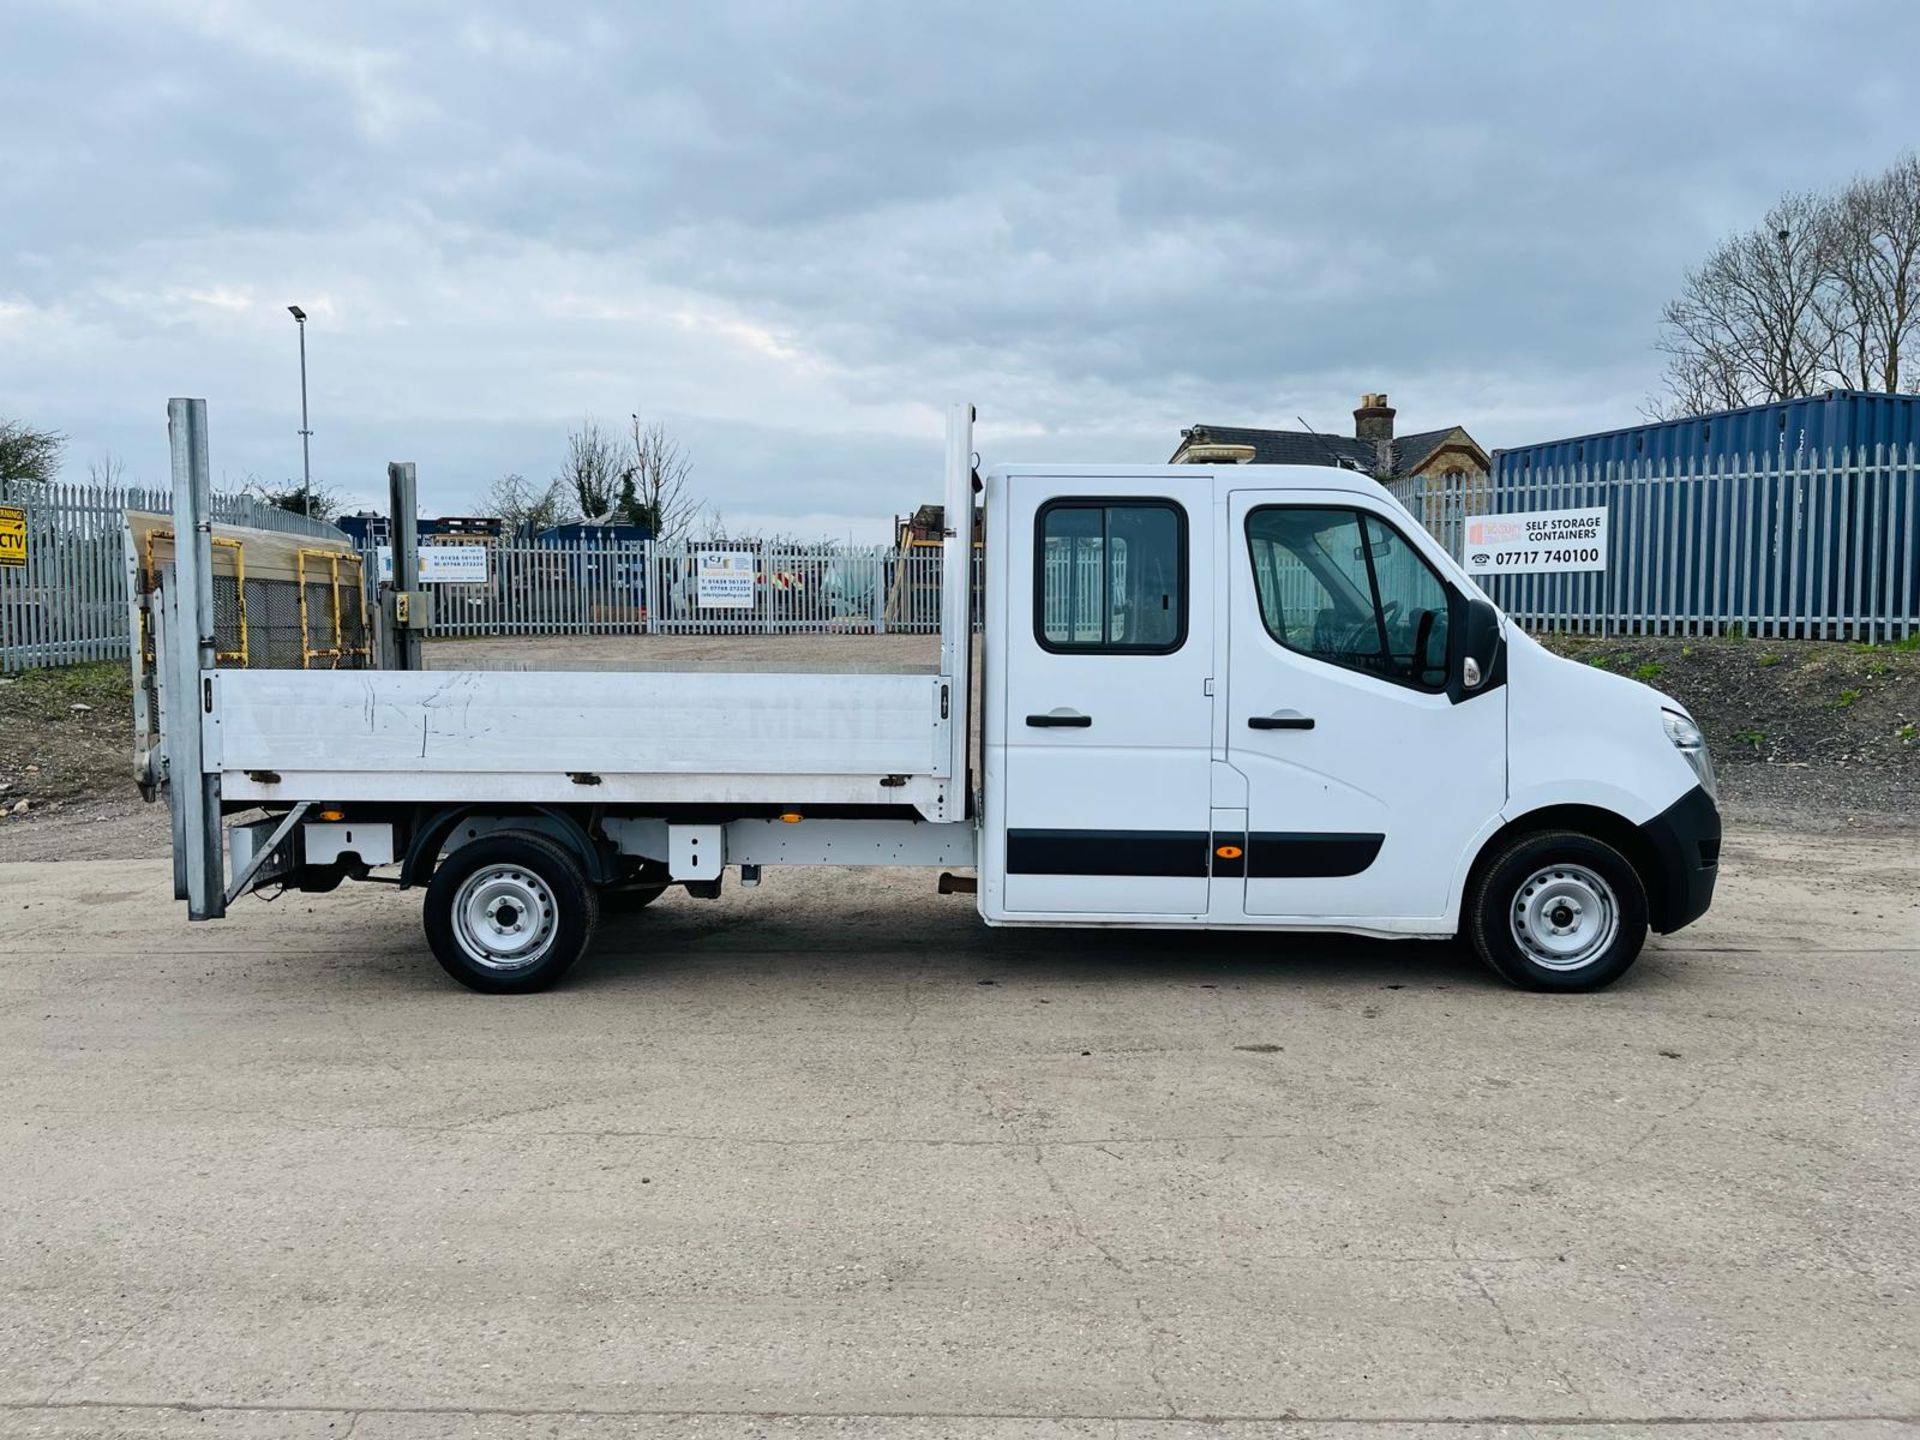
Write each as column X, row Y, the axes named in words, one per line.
column 13, row 536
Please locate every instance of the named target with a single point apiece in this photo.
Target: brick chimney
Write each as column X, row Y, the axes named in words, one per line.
column 1374, row 419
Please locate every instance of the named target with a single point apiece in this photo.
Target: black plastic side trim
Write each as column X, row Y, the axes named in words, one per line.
column 1296, row 854
column 1107, row 852
column 1685, row 837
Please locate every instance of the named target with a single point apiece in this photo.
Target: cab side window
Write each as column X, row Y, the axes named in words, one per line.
column 1110, row 576
column 1344, row 587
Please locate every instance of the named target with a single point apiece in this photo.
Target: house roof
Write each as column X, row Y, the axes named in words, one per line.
column 1286, row 447
column 1410, row 450
column 1303, row 447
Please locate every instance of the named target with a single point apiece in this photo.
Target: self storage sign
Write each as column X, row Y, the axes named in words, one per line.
column 1537, row 542
column 13, row 536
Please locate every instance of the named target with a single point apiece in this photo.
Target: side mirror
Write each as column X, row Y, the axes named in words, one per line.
column 1482, row 656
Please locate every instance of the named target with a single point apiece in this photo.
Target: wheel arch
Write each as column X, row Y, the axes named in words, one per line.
column 1607, row 826
column 430, row 837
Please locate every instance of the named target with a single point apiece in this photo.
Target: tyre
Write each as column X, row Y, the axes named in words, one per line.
column 508, row 914
column 1558, row 910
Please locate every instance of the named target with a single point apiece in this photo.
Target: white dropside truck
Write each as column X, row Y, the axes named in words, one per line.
column 1213, row 697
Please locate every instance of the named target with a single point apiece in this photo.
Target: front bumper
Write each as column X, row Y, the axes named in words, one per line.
column 1685, row 840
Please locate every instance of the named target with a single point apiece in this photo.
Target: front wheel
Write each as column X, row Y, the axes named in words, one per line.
column 509, row 913
column 1558, row 910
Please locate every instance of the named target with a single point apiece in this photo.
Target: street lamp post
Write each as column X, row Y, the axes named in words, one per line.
column 306, row 435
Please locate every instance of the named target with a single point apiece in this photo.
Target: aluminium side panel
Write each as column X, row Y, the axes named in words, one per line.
column 598, row 722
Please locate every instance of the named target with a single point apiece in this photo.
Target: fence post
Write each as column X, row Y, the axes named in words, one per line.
column 649, row 585
column 766, row 583
column 1609, row 488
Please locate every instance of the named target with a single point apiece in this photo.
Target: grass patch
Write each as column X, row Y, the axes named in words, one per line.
column 1600, row 662
column 1750, row 737
column 1909, row 645
column 45, row 693
column 1907, row 733
column 1648, row 671
column 1771, row 659
column 1845, row 700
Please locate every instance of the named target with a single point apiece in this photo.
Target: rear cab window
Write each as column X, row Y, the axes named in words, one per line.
column 1110, row 576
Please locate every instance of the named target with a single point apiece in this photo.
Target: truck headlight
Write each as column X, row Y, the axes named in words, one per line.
column 1688, row 740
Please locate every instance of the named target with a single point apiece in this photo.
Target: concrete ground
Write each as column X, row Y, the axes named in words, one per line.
column 831, row 1159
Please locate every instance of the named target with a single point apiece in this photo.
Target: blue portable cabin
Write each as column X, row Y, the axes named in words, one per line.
column 606, row 554
column 369, row 528
column 1796, row 517
column 594, row 533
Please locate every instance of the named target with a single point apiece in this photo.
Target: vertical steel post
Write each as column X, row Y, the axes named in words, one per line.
column 956, row 600
column 306, row 434
column 191, row 786
column 405, row 535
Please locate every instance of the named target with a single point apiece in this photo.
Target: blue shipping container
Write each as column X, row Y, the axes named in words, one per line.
column 1794, row 518
column 1839, row 420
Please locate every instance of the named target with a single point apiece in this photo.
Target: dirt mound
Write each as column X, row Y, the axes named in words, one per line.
column 1809, row 723
column 66, row 736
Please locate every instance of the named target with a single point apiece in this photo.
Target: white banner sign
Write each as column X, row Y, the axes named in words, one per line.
column 443, row 564
column 1547, row 542
column 726, row 579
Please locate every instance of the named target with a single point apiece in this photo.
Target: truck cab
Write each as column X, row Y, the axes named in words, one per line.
column 1264, row 696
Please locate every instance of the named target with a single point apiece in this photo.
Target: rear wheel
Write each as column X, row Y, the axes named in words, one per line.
column 509, row 913
column 1558, row 910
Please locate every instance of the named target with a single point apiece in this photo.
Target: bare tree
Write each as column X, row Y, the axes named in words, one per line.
column 1746, row 326
column 1871, row 305
column 594, row 466
column 524, row 508
column 656, row 487
column 1825, row 291
column 27, row 453
column 109, row 471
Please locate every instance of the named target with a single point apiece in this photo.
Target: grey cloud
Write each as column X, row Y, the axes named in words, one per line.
column 796, row 230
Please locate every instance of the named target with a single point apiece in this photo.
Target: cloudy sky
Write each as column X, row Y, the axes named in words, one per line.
column 793, row 231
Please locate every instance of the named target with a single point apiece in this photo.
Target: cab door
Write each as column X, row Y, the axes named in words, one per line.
column 1107, row 716
column 1369, row 772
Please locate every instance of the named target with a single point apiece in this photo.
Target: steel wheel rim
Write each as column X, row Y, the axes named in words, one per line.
column 1564, row 917
column 504, row 917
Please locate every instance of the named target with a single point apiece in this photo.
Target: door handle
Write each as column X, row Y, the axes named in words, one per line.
column 1060, row 719
column 1280, row 720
